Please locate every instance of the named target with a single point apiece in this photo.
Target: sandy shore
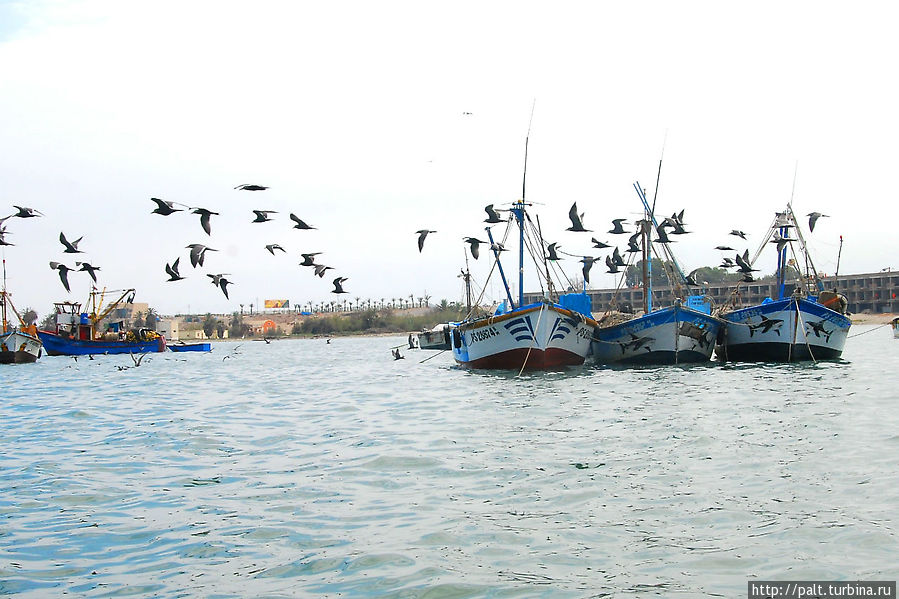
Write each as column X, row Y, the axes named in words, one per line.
column 872, row 318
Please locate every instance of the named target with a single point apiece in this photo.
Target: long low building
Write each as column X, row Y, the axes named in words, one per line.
column 869, row 292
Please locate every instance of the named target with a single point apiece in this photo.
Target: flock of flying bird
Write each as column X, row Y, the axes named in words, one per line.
column 672, row 225
column 197, row 250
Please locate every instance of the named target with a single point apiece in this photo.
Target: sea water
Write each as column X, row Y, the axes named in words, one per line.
column 304, row 468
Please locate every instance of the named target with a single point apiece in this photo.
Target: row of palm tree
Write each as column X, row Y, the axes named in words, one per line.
column 349, row 305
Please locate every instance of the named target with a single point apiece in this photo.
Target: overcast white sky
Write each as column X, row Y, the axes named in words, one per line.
column 352, row 112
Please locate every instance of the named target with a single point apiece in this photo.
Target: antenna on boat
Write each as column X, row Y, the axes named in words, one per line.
column 524, row 176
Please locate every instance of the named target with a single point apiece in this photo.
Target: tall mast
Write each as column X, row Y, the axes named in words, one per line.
column 3, row 296
column 518, row 211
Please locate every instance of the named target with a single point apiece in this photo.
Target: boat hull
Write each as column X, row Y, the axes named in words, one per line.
column 787, row 330
column 538, row 337
column 179, row 347
column 56, row 345
column 673, row 335
column 19, row 348
column 435, row 339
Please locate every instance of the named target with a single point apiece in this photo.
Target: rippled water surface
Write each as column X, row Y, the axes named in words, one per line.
column 300, row 468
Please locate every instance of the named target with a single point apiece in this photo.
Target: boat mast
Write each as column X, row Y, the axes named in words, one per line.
column 499, row 264
column 518, row 211
column 3, row 296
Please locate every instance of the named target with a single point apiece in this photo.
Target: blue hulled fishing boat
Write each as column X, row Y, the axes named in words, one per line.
column 801, row 321
column 679, row 334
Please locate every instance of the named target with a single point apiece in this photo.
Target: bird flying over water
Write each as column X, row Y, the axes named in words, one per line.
column 617, row 229
column 492, row 215
column 198, row 253
column 63, row 273
column 221, row 282
column 71, row 247
column 813, row 218
column 632, row 245
column 599, row 244
column 739, row 234
column 780, row 240
column 577, row 222
column 725, row 248
column 204, row 218
column 172, row 271
column 338, row 285
column 88, row 269
column 164, row 208
column 588, row 264
column 613, row 267
column 320, row 270
column 3, row 239
column 474, row 244
column 271, row 247
column 422, row 233
column 251, row 187
column 299, row 223
column 552, row 248
column 262, row 215
column 617, row 259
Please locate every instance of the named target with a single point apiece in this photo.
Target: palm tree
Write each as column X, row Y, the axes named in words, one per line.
column 241, row 309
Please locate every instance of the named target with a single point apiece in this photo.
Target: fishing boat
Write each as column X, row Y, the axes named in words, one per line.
column 18, row 345
column 800, row 321
column 180, row 347
column 436, row 338
column 541, row 335
column 77, row 333
column 682, row 333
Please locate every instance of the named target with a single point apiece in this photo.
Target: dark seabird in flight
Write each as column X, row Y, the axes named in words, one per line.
column 613, row 267
column 71, row 247
column 616, row 257
column 492, row 215
column 299, row 223
column 164, row 208
column 204, row 218
column 727, row 263
column 780, row 240
column 271, row 247
column 251, row 187
column 588, row 264
column 89, row 269
column 217, row 279
column 474, row 244
column 25, row 212
column 743, row 263
column 262, row 215
column 632, row 245
column 223, row 283
column 338, row 285
column 552, row 248
column 617, row 229
column 725, row 248
column 599, row 244
column 690, row 279
column 739, row 234
column 498, row 247
column 309, row 259
column 813, row 218
column 422, row 233
column 577, row 220
column 320, row 270
column 2, row 238
column 63, row 273
column 198, row 253
column 661, row 235
column 172, row 271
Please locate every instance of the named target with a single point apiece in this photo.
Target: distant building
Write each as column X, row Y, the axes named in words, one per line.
column 870, row 292
column 170, row 328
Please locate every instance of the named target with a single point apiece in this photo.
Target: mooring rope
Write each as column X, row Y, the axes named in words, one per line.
column 869, row 331
column 536, row 328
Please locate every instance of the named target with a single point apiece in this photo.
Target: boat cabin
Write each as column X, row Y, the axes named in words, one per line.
column 71, row 322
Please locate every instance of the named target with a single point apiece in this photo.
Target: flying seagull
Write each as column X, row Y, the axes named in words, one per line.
column 223, row 283
column 813, row 218
column 588, row 264
column 25, row 212
column 725, row 248
column 616, row 257
column 262, row 215
column 632, row 245
column 217, row 279
column 338, row 285
column 613, row 267
column 474, row 244
column 63, row 273
column 271, row 247
column 492, row 215
column 320, row 270
column 309, row 259
column 172, row 271
column 299, row 223
column 422, row 233
column 577, row 222
column 3, row 240
column 88, row 269
column 71, row 247
column 552, row 248
column 251, row 187
column 164, row 208
column 599, row 244
column 739, row 234
column 617, row 229
column 197, row 253
column 204, row 218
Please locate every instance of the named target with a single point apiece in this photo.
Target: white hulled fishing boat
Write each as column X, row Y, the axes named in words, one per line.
column 18, row 344
column 801, row 321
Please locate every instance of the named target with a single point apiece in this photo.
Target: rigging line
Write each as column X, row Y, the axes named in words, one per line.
column 534, row 340
column 524, row 176
column 804, row 333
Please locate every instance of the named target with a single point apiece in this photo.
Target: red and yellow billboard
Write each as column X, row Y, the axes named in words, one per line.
column 277, row 303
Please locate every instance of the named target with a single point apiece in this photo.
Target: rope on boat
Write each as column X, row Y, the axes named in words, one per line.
column 869, row 331
column 434, row 356
column 804, row 333
column 536, row 329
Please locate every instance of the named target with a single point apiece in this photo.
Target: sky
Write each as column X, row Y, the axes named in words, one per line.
column 372, row 120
